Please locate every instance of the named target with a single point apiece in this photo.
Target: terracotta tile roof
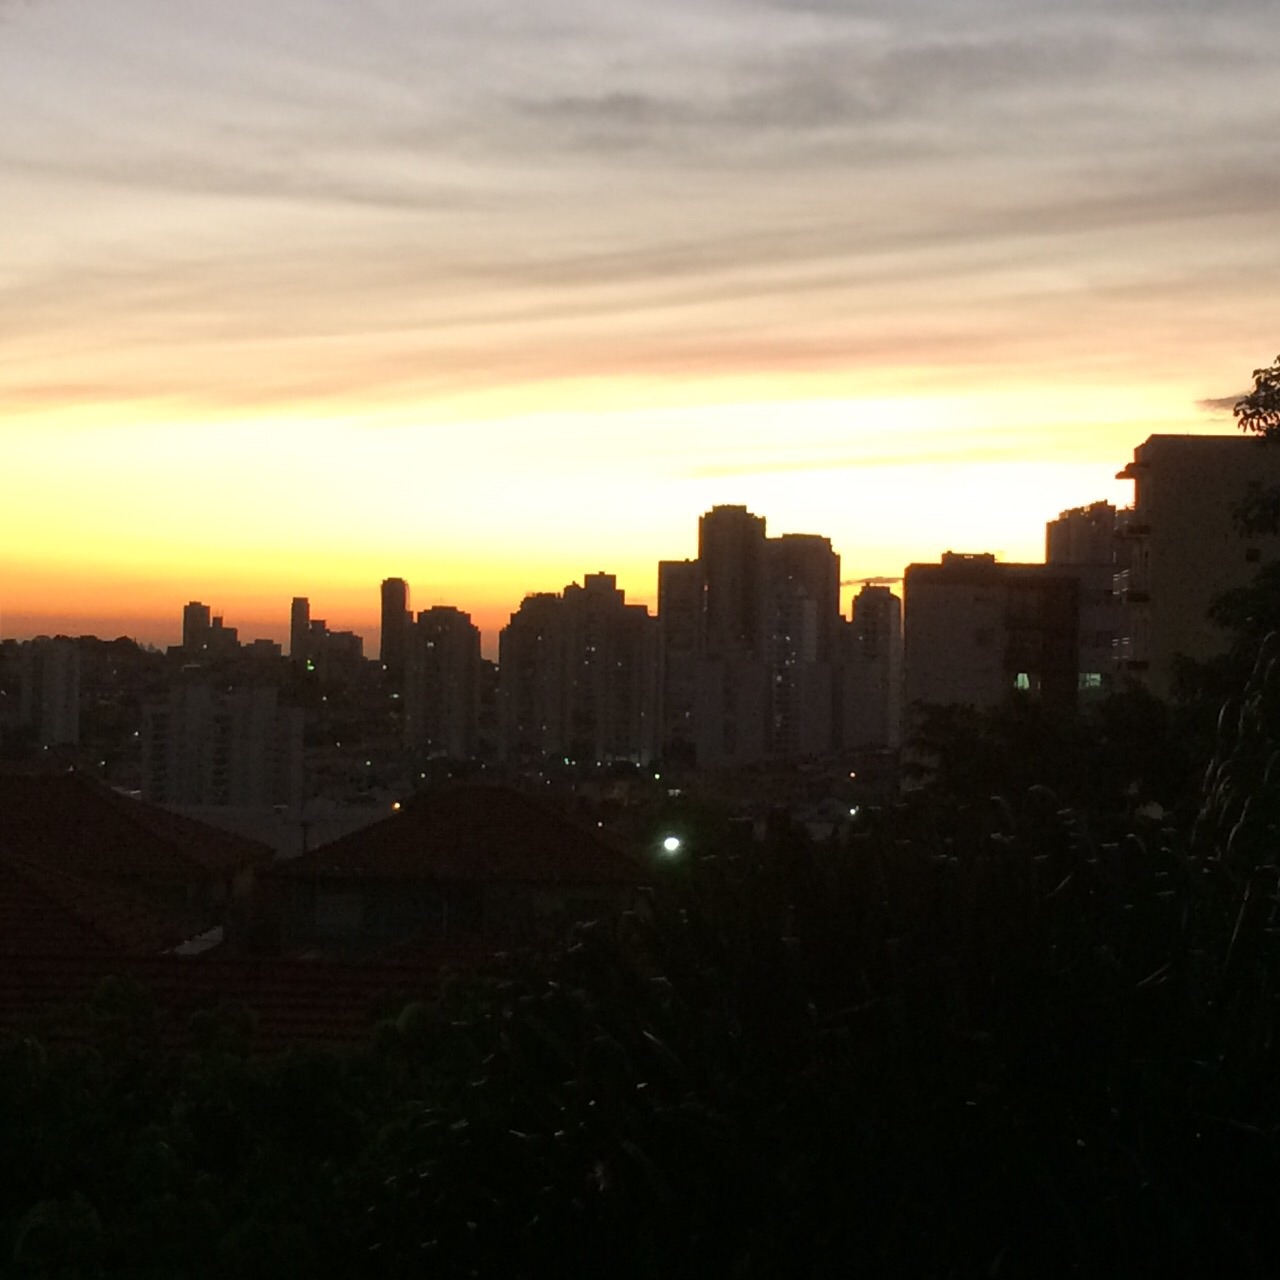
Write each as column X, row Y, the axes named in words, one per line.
column 472, row 833
column 290, row 1002
column 44, row 911
column 70, row 821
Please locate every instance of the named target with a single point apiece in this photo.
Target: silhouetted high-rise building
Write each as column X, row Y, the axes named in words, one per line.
column 1181, row 545
column 976, row 631
column 577, row 675
column 49, row 689
column 801, row 622
column 731, row 715
column 300, row 629
column 731, row 550
column 1083, row 535
column 871, row 676
column 442, row 684
column 1085, row 540
column 749, row 643
column 395, row 623
column 205, row 745
column 221, row 641
column 196, row 624
column 680, row 595
column 531, row 680
column 804, row 565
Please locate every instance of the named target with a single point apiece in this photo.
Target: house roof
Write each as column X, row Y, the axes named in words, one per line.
column 472, row 833
column 289, row 1002
column 44, row 911
column 72, row 822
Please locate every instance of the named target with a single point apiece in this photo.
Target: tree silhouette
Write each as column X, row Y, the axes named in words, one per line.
column 1259, row 411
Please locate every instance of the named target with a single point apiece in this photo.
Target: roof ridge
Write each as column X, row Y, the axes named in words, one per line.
column 169, row 828
column 90, row 905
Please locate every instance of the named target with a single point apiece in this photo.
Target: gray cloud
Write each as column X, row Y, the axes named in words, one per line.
column 1220, row 404
column 520, row 193
column 303, row 181
column 1057, row 75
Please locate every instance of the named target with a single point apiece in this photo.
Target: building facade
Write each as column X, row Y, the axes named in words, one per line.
column 441, row 702
column 205, row 745
column 976, row 631
column 749, row 644
column 871, row 684
column 578, row 676
column 1086, row 541
column 1181, row 545
column 49, row 689
column 396, row 620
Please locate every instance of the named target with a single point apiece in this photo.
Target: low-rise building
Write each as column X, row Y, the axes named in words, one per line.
column 1183, row 544
column 977, row 630
column 466, row 864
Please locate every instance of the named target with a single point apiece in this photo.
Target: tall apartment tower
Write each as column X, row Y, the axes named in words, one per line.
column 442, row 684
column 732, row 711
column 806, row 565
column 395, row 624
column 1085, row 540
column 300, row 629
column 49, row 692
column 196, row 625
column 206, row 745
column 977, row 630
column 749, row 639
column 1181, row 545
column 680, row 592
column 802, row 619
column 872, row 672
column 531, row 684
column 577, row 675
column 731, row 550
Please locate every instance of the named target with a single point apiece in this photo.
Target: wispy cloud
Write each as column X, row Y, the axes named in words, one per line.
column 1220, row 404
column 669, row 192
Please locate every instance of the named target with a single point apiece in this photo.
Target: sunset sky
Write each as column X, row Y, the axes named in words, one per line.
column 298, row 295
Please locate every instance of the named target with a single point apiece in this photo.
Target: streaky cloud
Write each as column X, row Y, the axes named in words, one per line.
column 1220, row 404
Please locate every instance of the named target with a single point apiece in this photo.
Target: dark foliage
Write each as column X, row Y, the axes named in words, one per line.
column 1259, row 411
column 999, row 1031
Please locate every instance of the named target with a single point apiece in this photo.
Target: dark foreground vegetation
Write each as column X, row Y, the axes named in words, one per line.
column 1009, row 1035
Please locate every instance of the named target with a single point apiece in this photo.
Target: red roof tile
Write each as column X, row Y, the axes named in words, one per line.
column 295, row 1002
column 472, row 833
column 45, row 911
column 71, row 822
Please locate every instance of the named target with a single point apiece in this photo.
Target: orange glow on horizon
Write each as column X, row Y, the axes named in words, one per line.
column 244, row 516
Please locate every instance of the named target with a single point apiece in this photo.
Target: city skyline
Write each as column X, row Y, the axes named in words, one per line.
column 357, row 614
column 175, row 630
column 294, row 297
